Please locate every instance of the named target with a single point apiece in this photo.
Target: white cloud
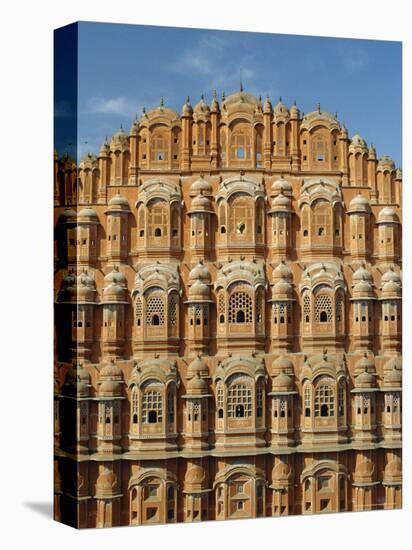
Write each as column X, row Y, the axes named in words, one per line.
column 119, row 105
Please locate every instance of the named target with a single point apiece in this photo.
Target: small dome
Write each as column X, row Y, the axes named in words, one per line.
column 197, row 366
column 282, row 473
column 197, row 385
column 282, row 271
column 362, row 288
column 359, row 204
column 114, row 293
column 195, row 475
column 110, row 380
column 282, row 383
column 282, row 289
column 200, row 202
column 386, row 163
column 365, row 364
column 387, row 214
column 281, row 203
column 365, row 380
column 68, row 216
column 365, row 470
column 187, row 109
column 393, row 373
column 200, row 186
column 393, row 470
column 358, row 142
column 280, row 109
column 104, row 150
column 390, row 275
column 201, row 272
column 85, row 290
column 362, row 274
column 106, row 482
column 115, row 276
column 199, row 291
column 281, row 186
column 391, row 289
column 282, row 364
column 86, row 213
column 119, row 200
column 77, row 381
column 201, row 108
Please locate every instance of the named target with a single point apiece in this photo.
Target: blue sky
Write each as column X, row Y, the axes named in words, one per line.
column 125, row 67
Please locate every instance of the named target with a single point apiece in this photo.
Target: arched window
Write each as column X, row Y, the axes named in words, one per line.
column 322, row 216
column 307, row 400
column 158, row 218
column 170, row 406
column 341, row 398
column 173, row 309
column 152, row 407
column 239, row 400
column 319, row 149
column 240, row 149
column 241, row 210
column 159, row 146
column 240, row 308
column 221, row 307
column 323, row 308
column 135, row 405
column 259, row 399
column 155, row 310
column 324, row 400
column 138, row 310
column 220, row 400
column 306, row 308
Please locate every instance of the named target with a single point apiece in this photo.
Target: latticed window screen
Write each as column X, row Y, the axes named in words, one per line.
column 240, row 308
column 221, row 304
column 170, row 407
column 241, row 215
column 259, row 307
column 240, row 146
column 307, row 399
column 155, row 311
column 341, row 398
column 339, row 307
column 159, row 147
column 323, row 308
column 135, row 405
column 220, row 396
column 158, row 218
column 396, row 402
column 306, row 308
column 152, row 407
column 324, row 401
column 239, row 400
column 259, row 399
column 138, row 309
column 173, row 305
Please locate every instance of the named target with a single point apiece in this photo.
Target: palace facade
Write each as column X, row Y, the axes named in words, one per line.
column 228, row 319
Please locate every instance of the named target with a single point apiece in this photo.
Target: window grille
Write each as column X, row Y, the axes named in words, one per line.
column 323, row 309
column 173, row 305
column 155, row 311
column 152, row 407
column 324, row 401
column 135, row 405
column 306, row 308
column 240, row 308
column 239, row 400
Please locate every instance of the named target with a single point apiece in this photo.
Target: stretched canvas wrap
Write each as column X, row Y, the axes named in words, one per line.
column 227, row 275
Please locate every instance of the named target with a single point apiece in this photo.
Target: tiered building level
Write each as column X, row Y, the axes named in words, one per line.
column 228, row 319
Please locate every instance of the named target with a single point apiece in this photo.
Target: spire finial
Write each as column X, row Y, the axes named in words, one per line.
column 280, row 99
column 318, row 106
column 214, row 94
column 240, row 81
column 162, row 103
column 202, row 97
